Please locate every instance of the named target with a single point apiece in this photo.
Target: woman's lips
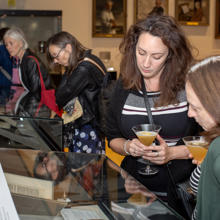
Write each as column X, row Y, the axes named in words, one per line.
column 146, row 70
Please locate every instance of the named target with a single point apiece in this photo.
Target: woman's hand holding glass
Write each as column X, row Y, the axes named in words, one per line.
column 157, row 154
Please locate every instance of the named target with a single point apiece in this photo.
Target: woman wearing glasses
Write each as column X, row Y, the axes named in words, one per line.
column 82, row 79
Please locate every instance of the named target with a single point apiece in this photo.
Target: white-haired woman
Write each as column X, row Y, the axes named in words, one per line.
column 25, row 71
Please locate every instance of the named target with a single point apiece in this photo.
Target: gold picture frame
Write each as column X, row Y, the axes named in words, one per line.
column 142, row 8
column 109, row 18
column 192, row 12
column 217, row 20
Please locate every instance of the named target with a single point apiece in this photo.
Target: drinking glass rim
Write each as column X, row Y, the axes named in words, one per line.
column 156, row 127
column 194, row 138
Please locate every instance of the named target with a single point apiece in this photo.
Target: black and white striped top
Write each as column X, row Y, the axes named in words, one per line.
column 173, row 118
column 194, row 179
column 194, row 183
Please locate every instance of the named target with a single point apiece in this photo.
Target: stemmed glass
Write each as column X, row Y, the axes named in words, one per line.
column 147, row 133
column 197, row 146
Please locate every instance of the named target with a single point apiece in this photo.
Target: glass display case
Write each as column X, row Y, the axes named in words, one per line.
column 91, row 186
column 31, row 133
column 21, row 127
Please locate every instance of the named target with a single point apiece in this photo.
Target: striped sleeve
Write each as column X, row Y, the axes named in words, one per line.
column 194, row 215
column 194, row 183
column 194, row 179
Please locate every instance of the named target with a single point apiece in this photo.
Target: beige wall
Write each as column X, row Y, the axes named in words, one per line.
column 77, row 19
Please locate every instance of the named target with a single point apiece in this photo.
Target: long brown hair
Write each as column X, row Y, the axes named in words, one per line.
column 172, row 79
column 204, row 77
column 60, row 40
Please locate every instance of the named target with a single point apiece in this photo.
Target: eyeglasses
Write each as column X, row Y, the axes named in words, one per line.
column 58, row 54
column 44, row 165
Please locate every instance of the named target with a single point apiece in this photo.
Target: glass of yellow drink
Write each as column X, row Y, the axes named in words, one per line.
column 197, row 146
column 147, row 133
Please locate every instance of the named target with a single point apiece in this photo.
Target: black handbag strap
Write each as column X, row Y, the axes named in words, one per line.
column 95, row 63
column 146, row 101
column 147, row 104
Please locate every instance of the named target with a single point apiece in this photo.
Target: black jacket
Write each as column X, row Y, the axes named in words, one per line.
column 30, row 75
column 84, row 82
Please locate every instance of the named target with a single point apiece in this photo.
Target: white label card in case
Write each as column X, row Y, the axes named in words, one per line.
column 7, row 207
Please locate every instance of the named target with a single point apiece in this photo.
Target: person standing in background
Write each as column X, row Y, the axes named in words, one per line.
column 83, row 80
column 5, row 70
column 25, row 68
column 27, row 75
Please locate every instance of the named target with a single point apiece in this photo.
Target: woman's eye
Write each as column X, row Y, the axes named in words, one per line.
column 195, row 109
column 141, row 52
column 157, row 57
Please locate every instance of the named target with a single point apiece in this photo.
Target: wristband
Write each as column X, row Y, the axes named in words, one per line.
column 125, row 147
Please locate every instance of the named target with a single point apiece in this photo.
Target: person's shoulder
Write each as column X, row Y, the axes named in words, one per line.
column 119, row 91
column 28, row 52
column 82, row 70
column 214, row 149
column 216, row 142
column 95, row 58
column 3, row 50
column 31, row 58
column 28, row 56
column 2, row 47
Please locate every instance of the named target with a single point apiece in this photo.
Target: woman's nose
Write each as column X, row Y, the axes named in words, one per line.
column 147, row 62
column 190, row 113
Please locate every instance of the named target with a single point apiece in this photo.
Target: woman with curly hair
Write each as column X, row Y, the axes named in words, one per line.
column 156, row 54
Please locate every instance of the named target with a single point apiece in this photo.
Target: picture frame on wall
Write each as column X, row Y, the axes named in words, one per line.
column 192, row 12
column 109, row 18
column 217, row 20
column 142, row 8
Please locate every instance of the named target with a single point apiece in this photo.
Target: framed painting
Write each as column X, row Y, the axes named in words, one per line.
column 217, row 20
column 143, row 7
column 192, row 12
column 109, row 18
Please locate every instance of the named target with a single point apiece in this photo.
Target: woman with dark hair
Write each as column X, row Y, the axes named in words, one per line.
column 156, row 53
column 202, row 90
column 82, row 79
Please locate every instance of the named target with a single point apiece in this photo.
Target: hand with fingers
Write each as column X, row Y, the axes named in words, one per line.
column 132, row 186
column 158, row 154
column 136, row 148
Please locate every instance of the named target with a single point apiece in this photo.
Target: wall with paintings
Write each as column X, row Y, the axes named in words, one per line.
column 77, row 19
